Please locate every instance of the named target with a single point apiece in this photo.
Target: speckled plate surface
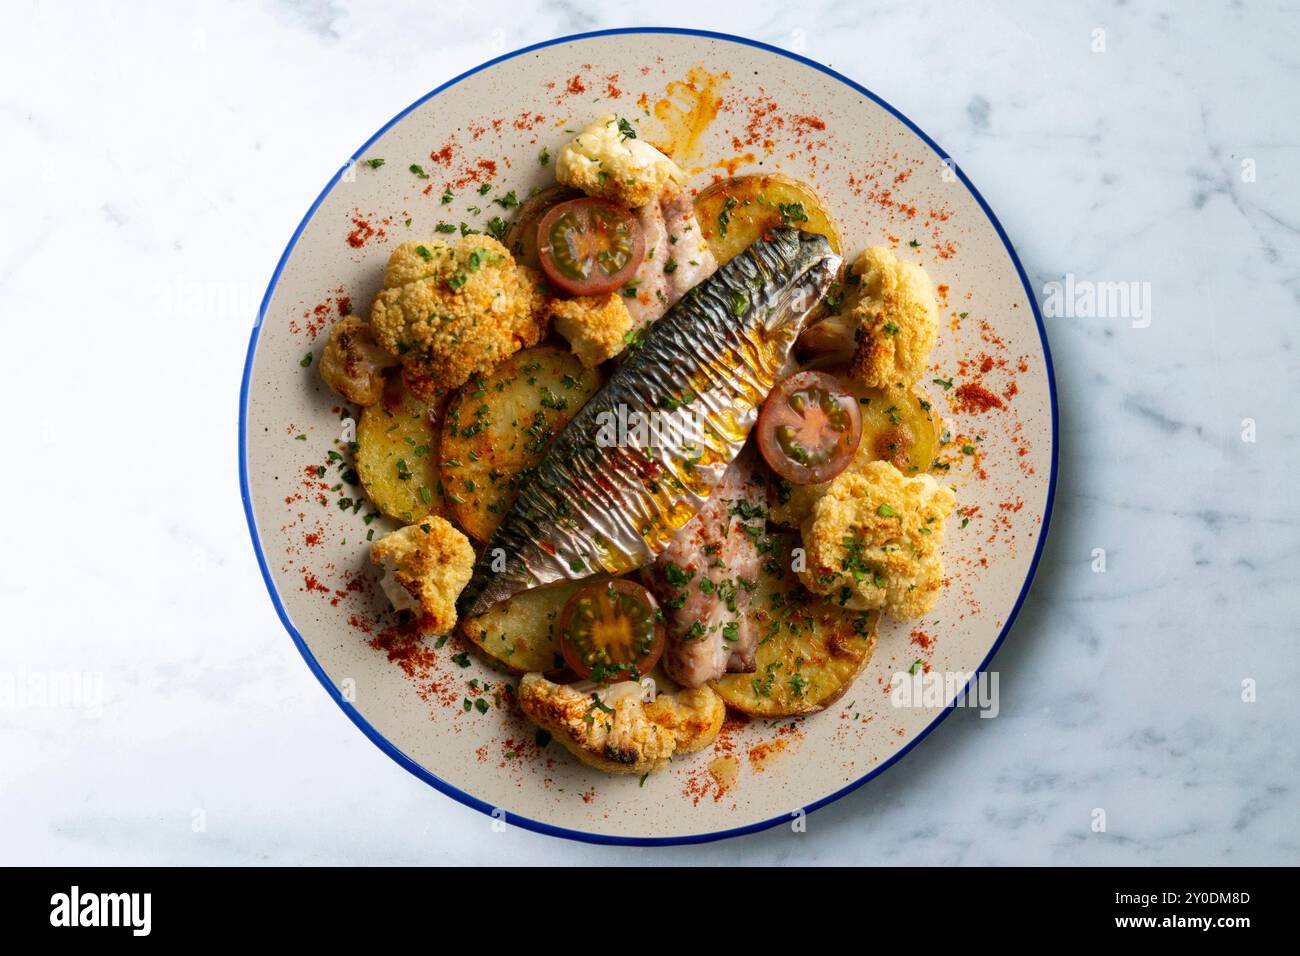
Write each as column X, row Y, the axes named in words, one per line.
column 883, row 180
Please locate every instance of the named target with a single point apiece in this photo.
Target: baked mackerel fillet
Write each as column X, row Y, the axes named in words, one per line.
column 643, row 455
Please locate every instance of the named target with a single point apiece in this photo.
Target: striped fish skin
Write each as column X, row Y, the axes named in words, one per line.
column 605, row 500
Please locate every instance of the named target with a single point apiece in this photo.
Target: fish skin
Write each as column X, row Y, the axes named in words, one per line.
column 705, row 367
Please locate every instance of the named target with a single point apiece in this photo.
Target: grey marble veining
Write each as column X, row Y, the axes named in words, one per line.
column 156, row 160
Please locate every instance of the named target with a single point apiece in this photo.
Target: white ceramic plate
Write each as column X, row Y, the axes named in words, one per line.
column 883, row 179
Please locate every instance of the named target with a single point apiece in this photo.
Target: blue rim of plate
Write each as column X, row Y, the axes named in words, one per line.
column 386, row 745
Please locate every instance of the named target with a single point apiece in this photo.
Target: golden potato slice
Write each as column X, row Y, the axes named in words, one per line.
column 496, row 429
column 521, row 234
column 898, row 426
column 810, row 650
column 519, row 633
column 735, row 213
column 397, row 454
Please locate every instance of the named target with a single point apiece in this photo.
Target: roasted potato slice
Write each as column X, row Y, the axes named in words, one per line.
column 810, row 650
column 521, row 234
column 497, row 427
column 519, row 633
column 397, row 454
column 735, row 213
column 898, row 426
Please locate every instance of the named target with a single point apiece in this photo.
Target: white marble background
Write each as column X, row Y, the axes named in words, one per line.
column 156, row 157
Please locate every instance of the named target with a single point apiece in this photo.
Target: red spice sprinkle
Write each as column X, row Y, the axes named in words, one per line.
column 575, row 85
column 443, row 156
column 361, row 232
column 480, row 171
column 311, row 582
column 973, row 397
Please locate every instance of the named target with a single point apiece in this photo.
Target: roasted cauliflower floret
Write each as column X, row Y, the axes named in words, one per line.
column 426, row 566
column 608, row 160
column 614, row 729
column 451, row 312
column 873, row 540
column 353, row 364
column 596, row 326
column 896, row 319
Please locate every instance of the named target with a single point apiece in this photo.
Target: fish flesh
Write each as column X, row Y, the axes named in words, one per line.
column 644, row 454
column 690, row 261
column 649, row 285
column 676, row 256
column 705, row 577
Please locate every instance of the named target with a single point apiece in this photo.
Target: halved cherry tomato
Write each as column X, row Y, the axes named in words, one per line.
column 589, row 246
column 809, row 428
column 611, row 631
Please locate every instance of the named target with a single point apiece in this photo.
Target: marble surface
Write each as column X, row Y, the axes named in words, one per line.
column 157, row 159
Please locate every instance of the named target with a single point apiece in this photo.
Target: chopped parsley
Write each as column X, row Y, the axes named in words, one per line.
column 724, row 217
column 793, row 212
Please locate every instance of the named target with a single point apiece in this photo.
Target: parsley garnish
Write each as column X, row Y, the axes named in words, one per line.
column 793, row 212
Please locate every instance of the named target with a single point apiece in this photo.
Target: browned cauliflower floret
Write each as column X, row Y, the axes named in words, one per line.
column 888, row 324
column 595, row 325
column 615, row 730
column 426, row 566
column 352, row 364
column 608, row 160
column 451, row 312
column 873, row 541
column 897, row 319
